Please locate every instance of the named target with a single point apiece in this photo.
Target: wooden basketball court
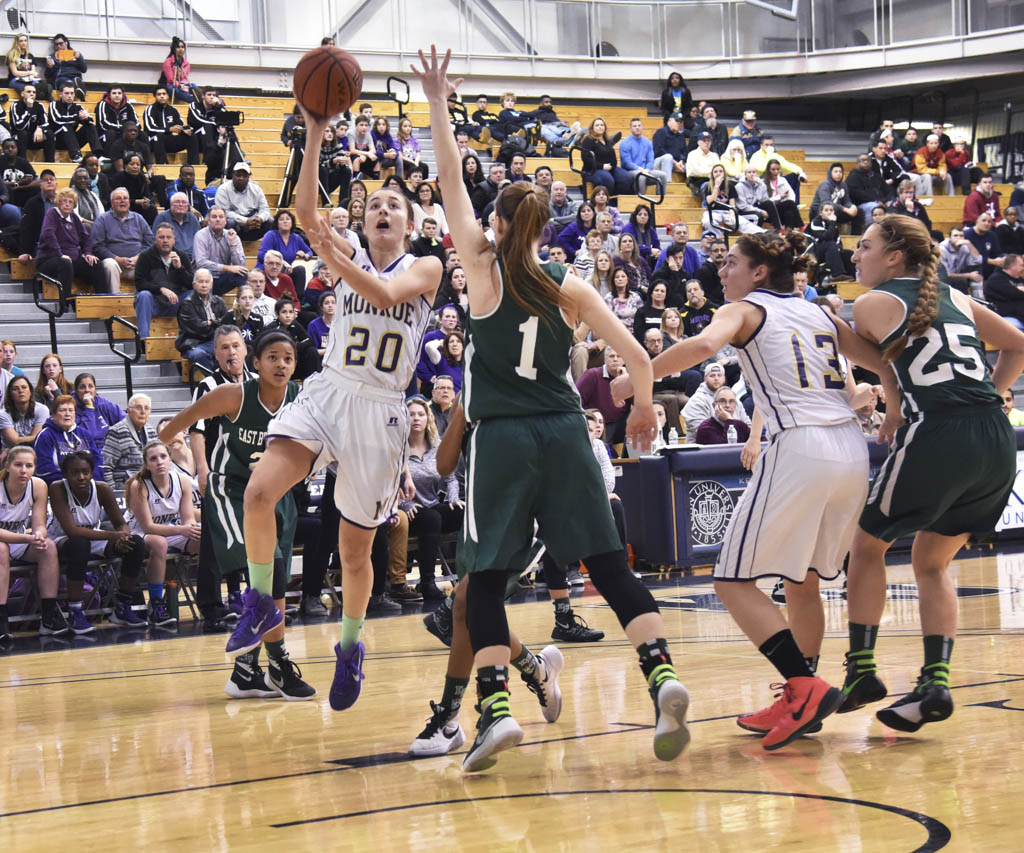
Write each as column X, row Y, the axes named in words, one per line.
column 135, row 745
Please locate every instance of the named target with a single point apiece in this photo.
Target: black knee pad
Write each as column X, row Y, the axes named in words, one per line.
column 75, row 553
column 131, row 561
column 485, row 610
column 280, row 584
column 619, row 516
column 554, row 573
column 625, row 594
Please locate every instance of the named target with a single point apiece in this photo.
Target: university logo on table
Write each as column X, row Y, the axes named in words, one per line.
column 711, row 507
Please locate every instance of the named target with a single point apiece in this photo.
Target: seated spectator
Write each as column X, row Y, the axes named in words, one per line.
column 1004, row 288
column 339, row 222
column 487, row 121
column 218, row 250
column 637, row 153
column 335, row 163
column 448, row 318
column 472, row 172
column 698, row 311
column 571, row 237
column 804, row 270
column 674, row 390
column 29, row 125
column 34, row 212
column 363, row 150
column 752, row 199
column 122, row 448
column 263, row 305
column 71, row 124
column 442, row 402
column 675, row 97
column 623, row 300
column 22, row 67
column 22, row 417
column 437, row 508
column 671, row 327
column 670, row 146
column 638, row 270
column 175, row 72
column 96, row 414
column 648, row 316
column 426, row 205
column 1016, row 416
column 962, row 262
column 66, row 65
column 600, row 164
column 701, row 404
column 428, row 243
column 453, row 293
column 130, row 142
column 98, row 182
column 595, row 393
column 8, row 353
column 486, row 191
column 867, row 191
column 715, row 429
column 409, row 148
column 244, row 204
column 113, row 112
column 828, row 248
column 709, row 273
column 886, row 169
column 749, row 132
column 962, row 168
column 118, row 237
column 599, row 199
column 142, row 199
column 88, row 206
column 51, row 383
column 186, row 183
column 307, row 361
column 279, row 283
column 699, row 163
column 200, row 312
column 984, row 238
column 939, row 130
column 708, row 123
column 248, row 322
column 206, row 117
column 284, row 240
column 720, row 205
column 80, row 537
column 1011, row 232
column 387, row 149
column 868, row 418
column 320, row 329
column 20, row 180
column 906, row 148
column 60, row 437
column 166, row 132
column 645, row 234
column 762, row 158
column 163, row 275
column 605, row 226
column 517, row 169
column 64, row 251
column 835, row 190
column 983, row 199
column 906, row 204
column 443, row 360
column 563, row 209
column 556, row 133
column 734, row 160
column 680, row 237
column 182, row 221
column 516, row 122
column 929, row 164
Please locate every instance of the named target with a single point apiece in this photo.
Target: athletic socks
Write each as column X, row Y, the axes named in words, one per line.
column 275, row 649
column 350, row 628
column 655, row 662
column 785, row 655
column 252, row 658
column 156, row 591
column 812, row 663
column 454, row 689
column 562, row 607
column 860, row 660
column 492, row 690
column 937, row 651
column 261, row 576
column 47, row 605
column 862, row 637
column 526, row 663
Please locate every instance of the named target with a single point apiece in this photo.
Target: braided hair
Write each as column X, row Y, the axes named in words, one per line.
column 921, row 258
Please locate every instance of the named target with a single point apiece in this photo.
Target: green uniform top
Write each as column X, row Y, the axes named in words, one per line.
column 242, row 439
column 945, row 368
column 517, row 363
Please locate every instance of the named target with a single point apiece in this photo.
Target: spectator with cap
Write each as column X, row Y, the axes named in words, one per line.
column 1011, row 232
column 982, row 199
column 929, row 165
column 637, row 154
column 709, row 123
column 700, row 161
column 182, row 221
column 670, row 145
column 244, row 204
column 749, row 131
column 118, row 237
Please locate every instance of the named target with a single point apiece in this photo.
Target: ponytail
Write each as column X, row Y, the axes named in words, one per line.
column 525, row 212
column 909, row 236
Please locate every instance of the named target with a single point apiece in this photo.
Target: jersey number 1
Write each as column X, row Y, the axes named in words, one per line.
column 528, row 330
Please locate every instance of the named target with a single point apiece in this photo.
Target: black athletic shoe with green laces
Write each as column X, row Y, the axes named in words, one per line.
column 862, row 685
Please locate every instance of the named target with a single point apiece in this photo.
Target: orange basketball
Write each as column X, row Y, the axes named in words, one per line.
column 327, row 81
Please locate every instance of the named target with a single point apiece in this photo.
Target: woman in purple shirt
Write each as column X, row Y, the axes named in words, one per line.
column 94, row 413
column 388, row 156
column 284, row 239
column 64, row 252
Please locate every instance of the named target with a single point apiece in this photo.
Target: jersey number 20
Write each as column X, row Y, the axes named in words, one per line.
column 389, row 349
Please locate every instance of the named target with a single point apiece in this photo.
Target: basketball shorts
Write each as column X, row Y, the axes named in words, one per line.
column 18, row 550
column 222, row 513
column 527, row 475
column 948, row 473
column 364, row 429
column 174, row 543
column 800, row 509
column 97, row 547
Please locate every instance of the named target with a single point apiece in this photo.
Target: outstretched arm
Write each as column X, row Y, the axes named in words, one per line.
column 223, row 400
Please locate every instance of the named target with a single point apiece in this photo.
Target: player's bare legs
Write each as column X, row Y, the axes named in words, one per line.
column 805, row 613
column 931, row 556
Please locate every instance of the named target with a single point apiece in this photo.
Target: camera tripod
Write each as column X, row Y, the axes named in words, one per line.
column 291, row 178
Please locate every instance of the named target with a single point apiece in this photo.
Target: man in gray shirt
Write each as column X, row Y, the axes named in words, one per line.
column 182, row 221
column 563, row 208
column 219, row 250
column 118, row 237
column 245, row 204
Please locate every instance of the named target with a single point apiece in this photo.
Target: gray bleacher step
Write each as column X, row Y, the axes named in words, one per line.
column 34, row 331
column 14, row 312
column 18, row 297
column 70, row 351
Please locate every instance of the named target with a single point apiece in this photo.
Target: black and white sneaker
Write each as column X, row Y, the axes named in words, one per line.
column 54, row 624
column 5, row 631
column 543, row 683
column 439, row 622
column 248, row 681
column 574, row 629
column 496, row 731
column 286, row 678
column 778, row 593
column 442, row 734
column 929, row 702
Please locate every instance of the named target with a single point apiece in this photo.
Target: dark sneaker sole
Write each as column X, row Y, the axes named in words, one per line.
column 814, row 729
column 857, row 698
column 504, row 734
column 828, row 704
column 671, row 736
column 931, row 712
column 292, row 697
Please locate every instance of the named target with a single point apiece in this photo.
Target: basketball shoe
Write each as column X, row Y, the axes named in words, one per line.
column 543, row 682
column 928, row 702
column 259, row 615
column 442, row 734
column 496, row 731
column 248, row 681
column 671, row 701
column 862, row 685
column 286, row 678
column 764, row 721
column 806, row 702
column 571, row 628
column 439, row 622
column 348, row 676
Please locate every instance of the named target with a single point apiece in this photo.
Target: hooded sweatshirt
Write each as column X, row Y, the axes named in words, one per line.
column 53, row 444
column 833, row 191
column 98, row 419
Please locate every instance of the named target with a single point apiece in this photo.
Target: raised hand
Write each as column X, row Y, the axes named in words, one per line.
column 434, row 77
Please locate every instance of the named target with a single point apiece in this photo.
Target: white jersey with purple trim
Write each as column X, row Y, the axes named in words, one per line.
column 89, row 514
column 16, row 516
column 371, row 346
column 792, row 364
column 163, row 509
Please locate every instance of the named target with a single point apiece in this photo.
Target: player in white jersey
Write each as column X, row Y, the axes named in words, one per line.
column 23, row 537
column 801, row 506
column 353, row 411
column 163, row 514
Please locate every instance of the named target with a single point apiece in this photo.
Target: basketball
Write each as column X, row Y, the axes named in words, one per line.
column 327, row 81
